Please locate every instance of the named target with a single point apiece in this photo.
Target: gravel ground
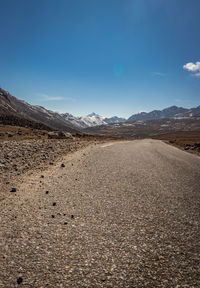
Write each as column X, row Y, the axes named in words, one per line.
column 115, row 215
column 19, row 157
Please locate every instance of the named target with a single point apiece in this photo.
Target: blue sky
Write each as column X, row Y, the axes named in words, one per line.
column 113, row 57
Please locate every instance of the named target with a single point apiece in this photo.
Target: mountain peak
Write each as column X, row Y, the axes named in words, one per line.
column 92, row 114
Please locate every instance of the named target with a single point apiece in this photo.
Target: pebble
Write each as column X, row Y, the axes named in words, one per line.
column 19, row 280
column 13, row 190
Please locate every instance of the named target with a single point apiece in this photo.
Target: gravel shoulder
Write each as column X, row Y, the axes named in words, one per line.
column 18, row 158
column 114, row 215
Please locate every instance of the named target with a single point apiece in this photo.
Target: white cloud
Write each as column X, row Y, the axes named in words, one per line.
column 193, row 67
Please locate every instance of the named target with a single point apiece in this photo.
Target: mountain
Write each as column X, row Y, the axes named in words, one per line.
column 156, row 122
column 76, row 121
column 190, row 113
column 93, row 119
column 84, row 121
column 114, row 119
column 90, row 120
column 148, row 128
column 12, row 107
column 158, row 114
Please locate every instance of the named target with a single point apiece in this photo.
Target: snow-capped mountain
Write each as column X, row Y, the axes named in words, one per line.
column 76, row 121
column 84, row 121
column 93, row 119
column 90, row 120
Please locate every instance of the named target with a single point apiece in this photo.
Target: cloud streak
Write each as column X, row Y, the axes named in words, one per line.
column 194, row 68
column 46, row 97
column 158, row 74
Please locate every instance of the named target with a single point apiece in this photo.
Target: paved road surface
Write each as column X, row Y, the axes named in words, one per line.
column 125, row 215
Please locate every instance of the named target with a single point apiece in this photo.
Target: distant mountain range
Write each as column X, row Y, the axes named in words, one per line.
column 91, row 120
column 11, row 107
column 169, row 112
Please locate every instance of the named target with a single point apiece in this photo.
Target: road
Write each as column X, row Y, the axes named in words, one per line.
column 122, row 214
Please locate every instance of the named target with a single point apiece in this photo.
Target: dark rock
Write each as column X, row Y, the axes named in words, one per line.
column 47, row 192
column 54, row 204
column 19, row 280
column 197, row 144
column 52, row 216
column 65, row 223
column 42, row 176
column 72, row 216
column 13, row 190
column 10, row 134
column 62, row 165
column 59, row 135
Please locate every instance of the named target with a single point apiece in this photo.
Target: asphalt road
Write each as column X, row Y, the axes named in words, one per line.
column 117, row 215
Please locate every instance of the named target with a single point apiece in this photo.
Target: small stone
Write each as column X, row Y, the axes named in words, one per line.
column 103, row 279
column 62, row 165
column 47, row 192
column 42, row 176
column 72, row 216
column 54, row 204
column 19, row 280
column 65, row 223
column 52, row 216
column 13, row 190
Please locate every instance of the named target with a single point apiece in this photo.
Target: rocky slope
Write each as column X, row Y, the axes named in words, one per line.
column 10, row 106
